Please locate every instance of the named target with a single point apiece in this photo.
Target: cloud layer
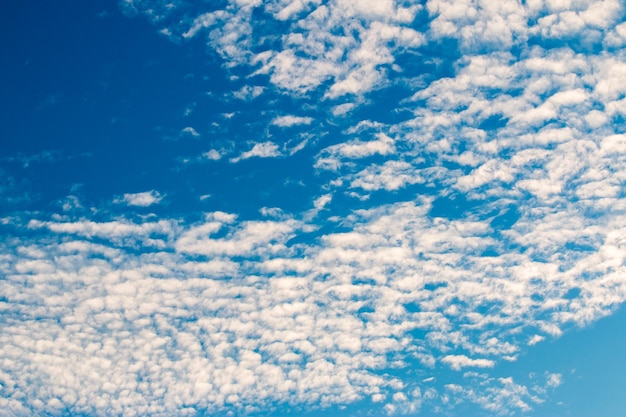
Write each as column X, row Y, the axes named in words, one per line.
column 502, row 223
column 249, row 321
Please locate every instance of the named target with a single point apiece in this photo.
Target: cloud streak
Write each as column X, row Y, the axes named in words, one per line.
column 259, row 150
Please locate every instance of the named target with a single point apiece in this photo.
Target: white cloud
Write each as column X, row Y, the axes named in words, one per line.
column 213, row 155
column 554, row 380
column 502, row 395
column 383, row 145
column 143, row 199
column 247, row 92
column 322, row 201
column 289, row 120
column 127, row 233
column 617, row 37
column 190, row 131
column 300, row 146
column 390, row 176
column 234, row 316
column 333, row 157
column 314, row 51
column 342, row 109
column 251, row 238
column 272, row 212
column 259, row 150
column 457, row 362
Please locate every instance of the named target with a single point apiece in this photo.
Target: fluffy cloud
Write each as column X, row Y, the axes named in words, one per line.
column 457, row 362
column 351, row 43
column 212, row 155
column 144, row 199
column 288, row 121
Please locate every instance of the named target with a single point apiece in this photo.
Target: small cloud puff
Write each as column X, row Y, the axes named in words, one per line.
column 457, row 362
column 535, row 339
column 288, row 121
column 247, row 93
column 321, row 202
column 554, row 380
column 273, row 212
column 342, row 109
column 144, row 199
column 189, row 131
column 212, row 155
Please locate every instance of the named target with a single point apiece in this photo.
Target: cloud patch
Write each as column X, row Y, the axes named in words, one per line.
column 259, row 150
column 289, row 120
column 143, row 199
column 457, row 362
column 241, row 318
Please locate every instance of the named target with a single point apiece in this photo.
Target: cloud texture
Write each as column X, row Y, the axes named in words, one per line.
column 502, row 224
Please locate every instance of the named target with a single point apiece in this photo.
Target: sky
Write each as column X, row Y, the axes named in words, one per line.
column 313, row 208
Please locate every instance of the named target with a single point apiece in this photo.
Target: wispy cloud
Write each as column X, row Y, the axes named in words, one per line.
column 259, row 150
column 190, row 131
column 248, row 92
column 41, row 157
column 333, row 157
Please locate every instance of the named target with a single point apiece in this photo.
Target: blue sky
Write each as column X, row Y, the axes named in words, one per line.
column 307, row 207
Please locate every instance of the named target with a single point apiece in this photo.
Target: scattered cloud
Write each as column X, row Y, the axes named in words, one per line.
column 333, row 157
column 342, row 109
column 515, row 237
column 143, row 199
column 519, row 129
column 190, row 131
column 289, row 120
column 554, row 380
column 457, row 362
column 383, row 145
column 259, row 150
column 315, row 51
column 390, row 176
column 247, row 92
column 322, row 201
column 212, row 155
column 234, row 299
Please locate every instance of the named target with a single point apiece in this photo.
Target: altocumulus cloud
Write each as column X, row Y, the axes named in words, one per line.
column 118, row 332
column 222, row 314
